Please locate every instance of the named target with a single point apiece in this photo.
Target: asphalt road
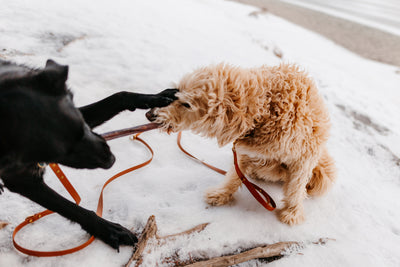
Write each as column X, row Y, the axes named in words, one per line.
column 366, row 41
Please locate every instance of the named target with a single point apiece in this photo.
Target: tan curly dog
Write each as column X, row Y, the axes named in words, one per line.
column 276, row 115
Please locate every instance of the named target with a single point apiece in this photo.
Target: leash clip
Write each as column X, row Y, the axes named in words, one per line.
column 134, row 136
column 234, row 146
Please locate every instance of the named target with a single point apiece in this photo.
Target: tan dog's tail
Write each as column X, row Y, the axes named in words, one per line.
column 324, row 174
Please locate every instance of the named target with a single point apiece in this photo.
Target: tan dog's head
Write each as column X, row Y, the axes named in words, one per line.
column 209, row 104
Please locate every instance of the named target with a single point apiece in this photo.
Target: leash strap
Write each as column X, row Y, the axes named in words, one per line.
column 254, row 189
column 135, row 137
column 257, row 192
column 196, row 159
column 71, row 190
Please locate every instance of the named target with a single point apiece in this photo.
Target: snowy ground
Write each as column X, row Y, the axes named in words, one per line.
column 145, row 46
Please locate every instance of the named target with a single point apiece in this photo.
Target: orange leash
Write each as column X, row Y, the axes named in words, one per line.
column 71, row 190
column 220, row 171
column 255, row 190
column 258, row 193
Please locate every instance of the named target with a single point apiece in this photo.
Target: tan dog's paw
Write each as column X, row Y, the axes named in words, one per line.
column 217, row 196
column 291, row 216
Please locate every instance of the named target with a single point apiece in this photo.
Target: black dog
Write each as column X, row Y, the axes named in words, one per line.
column 39, row 123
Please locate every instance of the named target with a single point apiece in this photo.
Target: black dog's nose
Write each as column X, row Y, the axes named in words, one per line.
column 150, row 116
column 108, row 163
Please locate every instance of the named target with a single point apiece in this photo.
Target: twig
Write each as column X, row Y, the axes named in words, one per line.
column 195, row 229
column 270, row 252
column 149, row 231
column 267, row 251
column 129, row 131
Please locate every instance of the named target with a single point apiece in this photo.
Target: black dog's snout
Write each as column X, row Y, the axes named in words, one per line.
column 108, row 163
column 90, row 152
column 106, row 157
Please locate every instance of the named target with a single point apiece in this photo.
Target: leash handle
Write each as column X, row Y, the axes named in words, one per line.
column 31, row 219
column 71, row 190
column 258, row 193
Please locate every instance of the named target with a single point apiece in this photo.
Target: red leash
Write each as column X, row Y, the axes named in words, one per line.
column 257, row 192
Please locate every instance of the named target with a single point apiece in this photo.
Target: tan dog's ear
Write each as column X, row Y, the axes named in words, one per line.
column 230, row 125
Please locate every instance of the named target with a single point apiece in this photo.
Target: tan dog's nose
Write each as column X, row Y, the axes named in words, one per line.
column 150, row 115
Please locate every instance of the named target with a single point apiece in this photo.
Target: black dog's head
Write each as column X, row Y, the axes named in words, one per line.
column 39, row 122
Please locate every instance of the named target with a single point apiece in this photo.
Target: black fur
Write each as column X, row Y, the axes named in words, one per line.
column 39, row 123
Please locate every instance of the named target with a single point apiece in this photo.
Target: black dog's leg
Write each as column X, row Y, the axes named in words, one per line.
column 1, row 188
column 36, row 190
column 103, row 110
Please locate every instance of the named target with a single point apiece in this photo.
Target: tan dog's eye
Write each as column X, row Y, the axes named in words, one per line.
column 186, row 105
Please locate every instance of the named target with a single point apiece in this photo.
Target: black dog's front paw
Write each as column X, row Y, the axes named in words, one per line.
column 115, row 235
column 169, row 93
column 1, row 188
column 164, row 98
column 144, row 101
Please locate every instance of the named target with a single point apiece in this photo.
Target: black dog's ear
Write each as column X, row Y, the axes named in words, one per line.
column 56, row 72
column 53, row 77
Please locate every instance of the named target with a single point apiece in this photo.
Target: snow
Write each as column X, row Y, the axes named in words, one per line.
column 146, row 46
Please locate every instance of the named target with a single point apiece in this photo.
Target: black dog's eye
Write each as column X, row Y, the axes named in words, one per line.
column 186, row 105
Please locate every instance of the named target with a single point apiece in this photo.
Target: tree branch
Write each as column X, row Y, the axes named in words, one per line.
column 268, row 252
column 149, row 232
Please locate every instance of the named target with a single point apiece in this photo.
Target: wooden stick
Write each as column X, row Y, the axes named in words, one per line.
column 195, row 229
column 129, row 131
column 149, row 231
column 267, row 251
column 272, row 251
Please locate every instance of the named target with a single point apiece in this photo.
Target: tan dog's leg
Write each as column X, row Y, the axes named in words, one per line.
column 295, row 191
column 223, row 194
